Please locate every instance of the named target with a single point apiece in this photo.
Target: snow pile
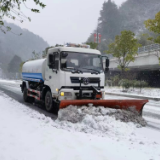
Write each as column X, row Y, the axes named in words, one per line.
column 128, row 116
column 99, row 120
column 76, row 114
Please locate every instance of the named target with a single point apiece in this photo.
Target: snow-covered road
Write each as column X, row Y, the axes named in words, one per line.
column 26, row 133
column 151, row 111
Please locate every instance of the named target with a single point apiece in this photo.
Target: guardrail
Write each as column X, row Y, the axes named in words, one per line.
column 149, row 48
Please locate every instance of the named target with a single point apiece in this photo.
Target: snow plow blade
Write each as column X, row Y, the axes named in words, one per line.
column 136, row 105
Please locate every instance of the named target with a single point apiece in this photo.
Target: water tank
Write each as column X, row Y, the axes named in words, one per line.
column 34, row 70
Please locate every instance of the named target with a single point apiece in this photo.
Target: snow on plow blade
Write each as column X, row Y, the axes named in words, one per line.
column 136, row 105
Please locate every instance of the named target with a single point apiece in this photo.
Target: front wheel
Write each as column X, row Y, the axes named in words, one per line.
column 50, row 104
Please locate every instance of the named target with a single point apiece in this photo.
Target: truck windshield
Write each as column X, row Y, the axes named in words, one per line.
column 83, row 61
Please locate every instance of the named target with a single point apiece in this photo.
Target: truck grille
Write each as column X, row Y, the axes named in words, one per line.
column 91, row 80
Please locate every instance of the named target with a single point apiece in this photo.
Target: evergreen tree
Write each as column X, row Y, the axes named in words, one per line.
column 110, row 20
column 109, row 25
column 14, row 64
column 135, row 12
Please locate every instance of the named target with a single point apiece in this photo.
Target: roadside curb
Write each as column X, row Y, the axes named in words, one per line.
column 133, row 96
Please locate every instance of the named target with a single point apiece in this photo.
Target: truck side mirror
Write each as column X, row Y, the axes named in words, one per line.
column 107, row 65
column 106, row 70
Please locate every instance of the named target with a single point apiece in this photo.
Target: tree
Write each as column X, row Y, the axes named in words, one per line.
column 144, row 40
column 12, row 10
column 36, row 55
column 135, row 12
column 154, row 26
column 14, row 64
column 109, row 20
column 124, row 48
column 93, row 45
column 109, row 25
column 44, row 54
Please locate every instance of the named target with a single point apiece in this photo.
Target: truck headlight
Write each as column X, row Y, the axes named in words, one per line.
column 62, row 93
column 66, row 94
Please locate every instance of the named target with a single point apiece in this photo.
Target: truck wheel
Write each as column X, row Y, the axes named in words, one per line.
column 31, row 99
column 48, row 102
column 25, row 97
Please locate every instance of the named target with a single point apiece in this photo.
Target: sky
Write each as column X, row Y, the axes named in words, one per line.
column 63, row 21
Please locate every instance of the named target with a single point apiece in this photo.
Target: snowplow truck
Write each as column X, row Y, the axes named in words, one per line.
column 70, row 75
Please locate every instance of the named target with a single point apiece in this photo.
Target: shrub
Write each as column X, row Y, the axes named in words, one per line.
column 125, row 83
column 116, row 80
column 108, row 83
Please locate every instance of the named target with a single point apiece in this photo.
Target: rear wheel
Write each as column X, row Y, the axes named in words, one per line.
column 25, row 96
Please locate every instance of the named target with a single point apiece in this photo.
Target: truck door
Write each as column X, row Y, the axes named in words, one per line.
column 51, row 73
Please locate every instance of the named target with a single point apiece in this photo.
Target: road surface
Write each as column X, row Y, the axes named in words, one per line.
column 151, row 111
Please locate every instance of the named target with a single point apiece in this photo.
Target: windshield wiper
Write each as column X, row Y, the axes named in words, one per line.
column 77, row 71
column 94, row 70
column 74, row 70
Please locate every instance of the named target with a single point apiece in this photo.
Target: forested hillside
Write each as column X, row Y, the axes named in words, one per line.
column 21, row 46
column 135, row 12
column 129, row 16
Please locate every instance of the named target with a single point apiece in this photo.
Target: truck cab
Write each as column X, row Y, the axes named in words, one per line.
column 67, row 73
column 74, row 73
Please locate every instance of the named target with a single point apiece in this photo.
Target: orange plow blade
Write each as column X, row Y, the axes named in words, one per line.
column 117, row 104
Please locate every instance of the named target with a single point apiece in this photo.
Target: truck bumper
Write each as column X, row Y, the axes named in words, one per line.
column 70, row 94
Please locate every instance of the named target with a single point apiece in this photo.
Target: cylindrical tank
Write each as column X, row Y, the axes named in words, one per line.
column 34, row 70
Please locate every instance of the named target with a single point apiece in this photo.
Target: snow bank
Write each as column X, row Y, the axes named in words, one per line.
column 99, row 120
column 27, row 134
column 150, row 92
column 5, row 81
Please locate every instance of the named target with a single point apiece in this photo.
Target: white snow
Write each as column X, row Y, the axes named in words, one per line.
column 150, row 92
column 25, row 134
column 5, row 81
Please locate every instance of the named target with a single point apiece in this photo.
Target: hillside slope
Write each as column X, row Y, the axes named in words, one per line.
column 22, row 46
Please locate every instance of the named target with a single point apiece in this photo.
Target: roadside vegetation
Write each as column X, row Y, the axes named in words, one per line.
column 125, row 48
column 127, row 84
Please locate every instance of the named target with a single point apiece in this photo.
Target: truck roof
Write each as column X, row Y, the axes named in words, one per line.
column 75, row 49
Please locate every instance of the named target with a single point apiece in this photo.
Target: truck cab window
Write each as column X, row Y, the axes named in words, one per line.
column 96, row 62
column 53, row 60
column 81, row 61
